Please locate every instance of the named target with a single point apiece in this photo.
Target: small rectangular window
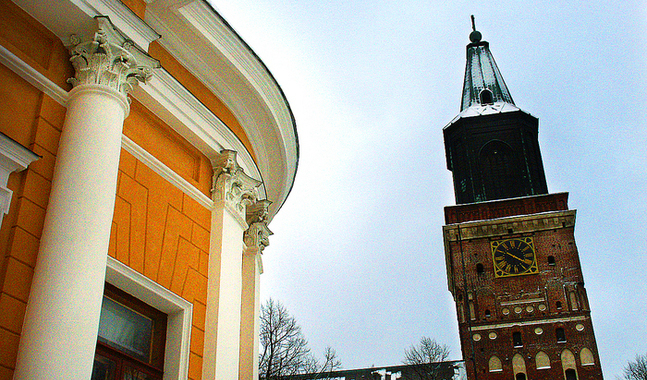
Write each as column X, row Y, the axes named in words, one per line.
column 131, row 339
column 561, row 336
column 516, row 339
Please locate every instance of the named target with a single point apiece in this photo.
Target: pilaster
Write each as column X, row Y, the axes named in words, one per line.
column 233, row 191
column 256, row 238
column 61, row 323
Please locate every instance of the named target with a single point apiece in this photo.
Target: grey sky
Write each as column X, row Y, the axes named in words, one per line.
column 357, row 255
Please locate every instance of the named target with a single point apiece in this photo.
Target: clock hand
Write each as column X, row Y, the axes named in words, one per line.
column 525, row 261
column 511, row 255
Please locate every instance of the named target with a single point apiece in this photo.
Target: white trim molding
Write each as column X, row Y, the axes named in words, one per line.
column 178, row 310
column 173, row 103
column 197, row 36
column 33, row 76
column 528, row 323
column 13, row 158
column 165, row 172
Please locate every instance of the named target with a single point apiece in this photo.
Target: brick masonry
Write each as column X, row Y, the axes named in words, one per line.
column 490, row 309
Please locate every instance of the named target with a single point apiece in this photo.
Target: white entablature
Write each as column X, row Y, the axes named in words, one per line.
column 210, row 49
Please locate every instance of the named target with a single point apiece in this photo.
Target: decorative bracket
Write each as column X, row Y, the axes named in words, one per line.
column 256, row 237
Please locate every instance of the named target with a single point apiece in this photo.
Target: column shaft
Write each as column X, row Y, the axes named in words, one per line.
column 222, row 335
column 61, row 323
column 250, row 315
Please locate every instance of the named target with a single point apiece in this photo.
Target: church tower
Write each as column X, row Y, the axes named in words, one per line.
column 512, row 263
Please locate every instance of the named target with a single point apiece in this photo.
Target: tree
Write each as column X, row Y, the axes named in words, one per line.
column 636, row 370
column 284, row 349
column 426, row 358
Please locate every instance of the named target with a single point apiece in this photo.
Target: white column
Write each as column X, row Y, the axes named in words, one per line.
column 60, row 329
column 256, row 239
column 232, row 191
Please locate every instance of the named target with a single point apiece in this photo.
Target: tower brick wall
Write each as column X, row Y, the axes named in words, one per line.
column 490, row 309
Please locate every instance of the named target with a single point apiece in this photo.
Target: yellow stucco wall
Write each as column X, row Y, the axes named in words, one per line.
column 152, row 134
column 157, row 229
column 34, row 120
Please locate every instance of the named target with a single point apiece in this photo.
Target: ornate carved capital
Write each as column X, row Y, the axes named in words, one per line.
column 110, row 59
column 231, row 185
column 257, row 235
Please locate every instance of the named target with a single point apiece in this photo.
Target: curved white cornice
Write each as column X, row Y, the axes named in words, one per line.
column 212, row 51
column 174, row 104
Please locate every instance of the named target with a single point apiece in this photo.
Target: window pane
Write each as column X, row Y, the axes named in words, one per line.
column 104, row 368
column 125, row 329
column 131, row 373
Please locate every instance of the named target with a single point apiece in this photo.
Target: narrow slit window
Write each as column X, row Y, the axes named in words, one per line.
column 561, row 336
column 516, row 339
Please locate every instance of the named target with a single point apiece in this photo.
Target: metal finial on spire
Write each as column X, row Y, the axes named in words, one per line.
column 475, row 36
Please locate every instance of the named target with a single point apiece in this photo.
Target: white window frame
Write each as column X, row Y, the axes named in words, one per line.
column 13, row 158
column 178, row 310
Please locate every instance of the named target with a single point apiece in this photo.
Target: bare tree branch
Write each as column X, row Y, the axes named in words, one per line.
column 285, row 350
column 426, row 358
column 636, row 370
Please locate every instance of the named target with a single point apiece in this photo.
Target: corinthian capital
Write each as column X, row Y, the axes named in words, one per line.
column 110, row 59
column 257, row 235
column 231, row 185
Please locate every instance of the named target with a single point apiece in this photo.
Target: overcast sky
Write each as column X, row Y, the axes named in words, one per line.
column 357, row 256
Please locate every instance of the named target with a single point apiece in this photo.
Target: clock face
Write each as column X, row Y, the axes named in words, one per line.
column 514, row 257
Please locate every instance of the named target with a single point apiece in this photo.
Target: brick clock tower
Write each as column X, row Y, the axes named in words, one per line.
column 512, row 263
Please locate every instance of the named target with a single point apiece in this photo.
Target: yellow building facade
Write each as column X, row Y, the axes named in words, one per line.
column 144, row 149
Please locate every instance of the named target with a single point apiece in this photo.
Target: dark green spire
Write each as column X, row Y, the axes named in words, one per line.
column 483, row 82
column 492, row 147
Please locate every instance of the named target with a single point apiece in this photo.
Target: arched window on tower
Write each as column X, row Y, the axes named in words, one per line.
column 486, row 97
column 500, row 178
column 495, row 364
column 560, row 335
column 586, row 357
column 568, row 365
column 519, row 367
column 516, row 339
column 542, row 361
